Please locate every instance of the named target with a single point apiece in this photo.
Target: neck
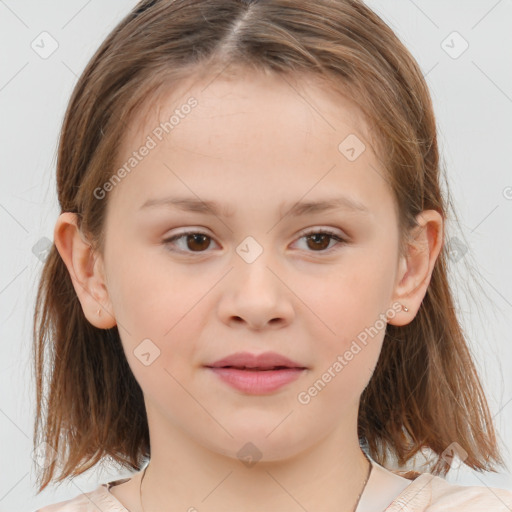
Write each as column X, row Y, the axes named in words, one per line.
column 183, row 474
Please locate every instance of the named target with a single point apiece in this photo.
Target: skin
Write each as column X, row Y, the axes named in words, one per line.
column 251, row 143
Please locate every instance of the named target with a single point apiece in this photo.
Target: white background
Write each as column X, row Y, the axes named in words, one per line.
column 472, row 97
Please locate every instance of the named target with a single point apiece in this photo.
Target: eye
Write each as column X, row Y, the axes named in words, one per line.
column 194, row 240
column 198, row 242
column 320, row 239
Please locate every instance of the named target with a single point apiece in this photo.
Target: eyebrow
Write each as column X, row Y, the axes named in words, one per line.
column 191, row 204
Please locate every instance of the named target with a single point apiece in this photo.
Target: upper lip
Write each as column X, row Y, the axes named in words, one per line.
column 247, row 360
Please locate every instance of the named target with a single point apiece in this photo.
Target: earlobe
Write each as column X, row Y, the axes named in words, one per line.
column 85, row 270
column 416, row 266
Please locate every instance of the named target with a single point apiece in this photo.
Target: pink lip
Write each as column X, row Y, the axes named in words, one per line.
column 257, row 382
column 253, row 373
column 265, row 360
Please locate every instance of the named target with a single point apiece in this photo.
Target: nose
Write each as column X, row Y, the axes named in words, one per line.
column 256, row 295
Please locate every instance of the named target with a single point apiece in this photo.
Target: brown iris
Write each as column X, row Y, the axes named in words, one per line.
column 323, row 236
column 203, row 241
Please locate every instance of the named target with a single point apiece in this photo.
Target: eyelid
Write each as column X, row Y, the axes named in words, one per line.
column 315, row 229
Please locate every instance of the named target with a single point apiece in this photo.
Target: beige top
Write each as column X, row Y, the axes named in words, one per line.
column 386, row 491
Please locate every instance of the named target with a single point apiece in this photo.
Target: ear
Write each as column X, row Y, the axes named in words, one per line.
column 86, row 270
column 416, row 266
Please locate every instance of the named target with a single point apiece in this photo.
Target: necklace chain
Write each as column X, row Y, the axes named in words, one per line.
column 354, row 510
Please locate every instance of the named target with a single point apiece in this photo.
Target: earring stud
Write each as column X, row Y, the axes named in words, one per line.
column 99, row 312
column 404, row 308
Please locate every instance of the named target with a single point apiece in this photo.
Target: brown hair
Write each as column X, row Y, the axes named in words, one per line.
column 425, row 392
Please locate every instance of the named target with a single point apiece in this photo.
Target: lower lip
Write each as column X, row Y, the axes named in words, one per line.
column 257, row 381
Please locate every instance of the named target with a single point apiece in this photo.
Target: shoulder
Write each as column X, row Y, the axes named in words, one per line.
column 472, row 498
column 98, row 499
column 429, row 493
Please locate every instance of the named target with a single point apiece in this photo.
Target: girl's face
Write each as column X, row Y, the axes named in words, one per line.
column 254, row 148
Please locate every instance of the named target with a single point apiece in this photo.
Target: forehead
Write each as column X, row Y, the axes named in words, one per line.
column 308, row 98
column 268, row 133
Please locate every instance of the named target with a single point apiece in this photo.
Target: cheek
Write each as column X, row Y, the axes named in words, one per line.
column 349, row 321
column 351, row 297
column 157, row 309
column 147, row 291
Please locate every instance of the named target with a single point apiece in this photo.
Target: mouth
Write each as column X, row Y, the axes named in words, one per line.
column 260, row 369
column 256, row 381
column 256, row 374
column 266, row 361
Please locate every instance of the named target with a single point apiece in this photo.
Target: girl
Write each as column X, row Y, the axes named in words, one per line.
column 247, row 301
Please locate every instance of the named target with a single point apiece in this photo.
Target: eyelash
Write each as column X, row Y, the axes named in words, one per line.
column 332, row 234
